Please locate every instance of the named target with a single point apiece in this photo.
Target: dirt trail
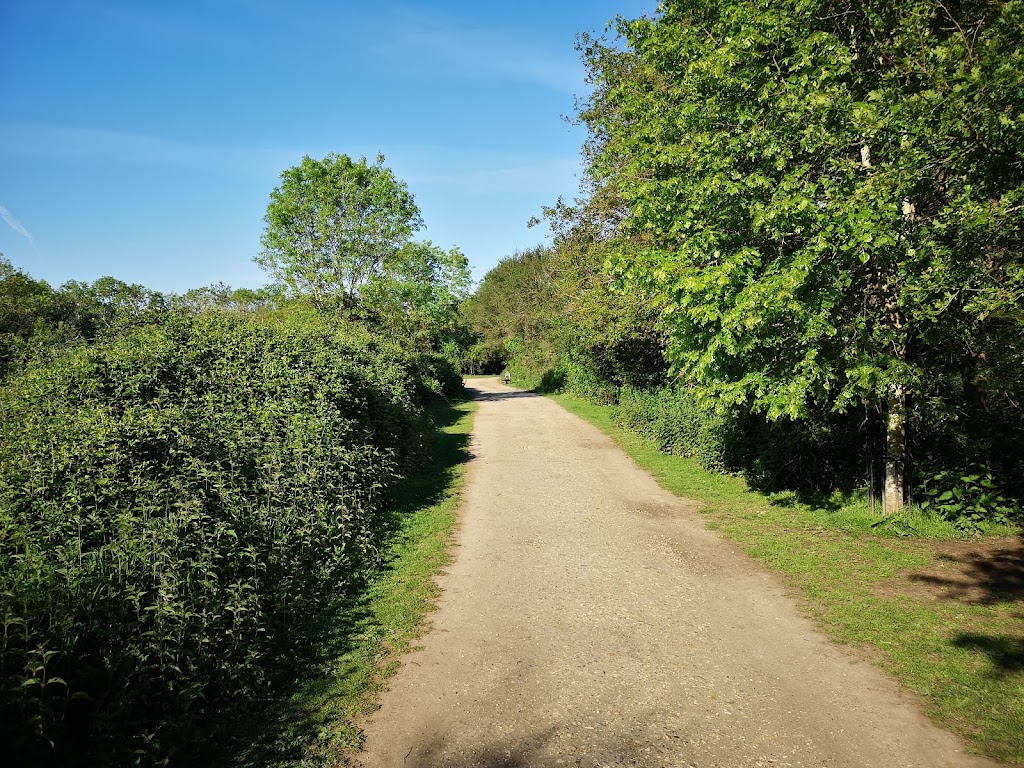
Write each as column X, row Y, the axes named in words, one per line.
column 589, row 619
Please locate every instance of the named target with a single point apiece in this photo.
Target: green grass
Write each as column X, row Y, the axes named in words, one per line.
column 964, row 661
column 351, row 650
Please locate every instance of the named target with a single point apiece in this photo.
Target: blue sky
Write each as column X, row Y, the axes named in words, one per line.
column 141, row 139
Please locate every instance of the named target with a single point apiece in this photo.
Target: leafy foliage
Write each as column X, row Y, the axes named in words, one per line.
column 35, row 319
column 338, row 234
column 418, row 294
column 172, row 500
column 968, row 499
column 677, row 424
column 822, row 199
column 769, row 156
column 814, row 455
column 334, row 224
column 801, row 232
column 556, row 317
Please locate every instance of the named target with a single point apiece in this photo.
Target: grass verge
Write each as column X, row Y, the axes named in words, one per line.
column 349, row 652
column 963, row 657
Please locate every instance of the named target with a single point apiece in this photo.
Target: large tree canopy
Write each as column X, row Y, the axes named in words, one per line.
column 334, row 223
column 827, row 194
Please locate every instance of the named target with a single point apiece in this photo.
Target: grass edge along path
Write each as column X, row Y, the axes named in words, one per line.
column 337, row 679
column 964, row 662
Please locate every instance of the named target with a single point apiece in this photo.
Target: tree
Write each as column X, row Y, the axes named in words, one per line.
column 332, row 224
column 418, row 293
column 28, row 309
column 108, row 305
column 827, row 197
column 35, row 319
column 515, row 300
column 608, row 337
column 223, row 297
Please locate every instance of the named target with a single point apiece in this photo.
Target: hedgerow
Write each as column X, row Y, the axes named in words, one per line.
column 671, row 418
column 172, row 501
column 819, row 453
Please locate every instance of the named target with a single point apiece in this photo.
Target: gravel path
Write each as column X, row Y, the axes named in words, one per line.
column 589, row 619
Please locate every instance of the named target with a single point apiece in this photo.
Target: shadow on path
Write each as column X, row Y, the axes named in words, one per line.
column 554, row 745
column 479, row 394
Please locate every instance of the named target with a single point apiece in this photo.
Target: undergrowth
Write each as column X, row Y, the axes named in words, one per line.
column 174, row 503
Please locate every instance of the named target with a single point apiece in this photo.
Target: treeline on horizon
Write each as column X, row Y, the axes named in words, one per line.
column 189, row 483
column 798, row 255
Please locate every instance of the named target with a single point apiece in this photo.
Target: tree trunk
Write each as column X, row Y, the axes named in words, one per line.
column 895, row 450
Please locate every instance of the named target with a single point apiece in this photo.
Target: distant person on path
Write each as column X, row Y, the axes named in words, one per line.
column 508, row 377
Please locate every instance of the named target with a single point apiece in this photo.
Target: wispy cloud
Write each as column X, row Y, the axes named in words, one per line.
column 474, row 170
column 479, row 51
column 458, row 170
column 134, row 148
column 488, row 173
column 17, row 226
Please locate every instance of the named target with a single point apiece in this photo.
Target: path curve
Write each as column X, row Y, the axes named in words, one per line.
column 589, row 619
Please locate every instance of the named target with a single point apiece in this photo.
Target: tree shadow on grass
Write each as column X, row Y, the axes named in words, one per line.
column 300, row 719
column 979, row 572
column 1006, row 652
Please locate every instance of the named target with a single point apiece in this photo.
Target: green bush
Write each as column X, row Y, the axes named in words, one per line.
column 581, row 375
column 483, row 358
column 171, row 502
column 969, row 500
column 671, row 418
column 819, row 453
column 436, row 377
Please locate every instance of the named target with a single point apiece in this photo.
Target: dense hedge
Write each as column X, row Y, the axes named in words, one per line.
column 170, row 502
column 967, row 472
column 671, row 418
column 819, row 453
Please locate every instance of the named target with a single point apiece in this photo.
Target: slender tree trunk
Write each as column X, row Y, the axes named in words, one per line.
column 895, row 450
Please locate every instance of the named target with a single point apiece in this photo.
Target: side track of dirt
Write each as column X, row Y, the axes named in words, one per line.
column 589, row 619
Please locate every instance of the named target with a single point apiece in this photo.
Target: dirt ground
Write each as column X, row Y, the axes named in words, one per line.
column 590, row 619
column 974, row 572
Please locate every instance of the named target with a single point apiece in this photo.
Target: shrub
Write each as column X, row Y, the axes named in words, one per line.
column 969, row 500
column 671, row 418
column 171, row 502
column 817, row 453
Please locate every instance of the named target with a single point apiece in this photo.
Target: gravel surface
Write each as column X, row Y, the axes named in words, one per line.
column 589, row 619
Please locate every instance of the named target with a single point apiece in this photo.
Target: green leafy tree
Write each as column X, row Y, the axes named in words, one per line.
column 332, row 225
column 608, row 336
column 417, row 295
column 826, row 197
column 36, row 319
column 108, row 306
column 29, row 310
column 223, row 297
column 24, row 301
column 515, row 305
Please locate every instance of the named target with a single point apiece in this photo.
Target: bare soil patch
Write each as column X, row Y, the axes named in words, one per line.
column 974, row 572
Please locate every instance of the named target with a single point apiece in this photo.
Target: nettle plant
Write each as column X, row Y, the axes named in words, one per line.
column 173, row 503
column 969, row 499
